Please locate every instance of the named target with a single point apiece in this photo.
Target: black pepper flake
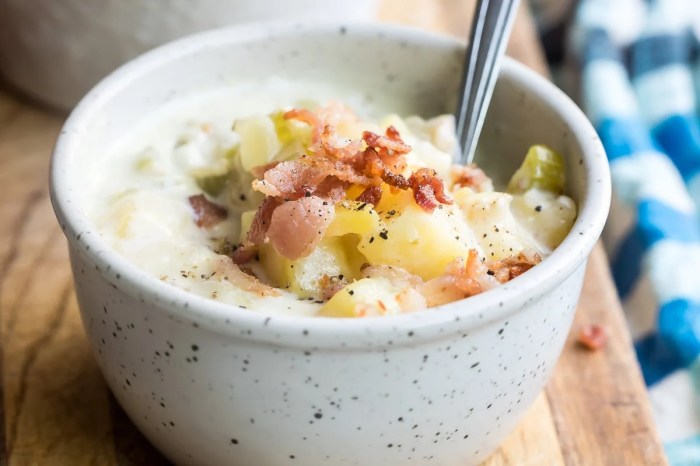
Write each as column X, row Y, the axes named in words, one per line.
column 538, row 208
column 195, row 347
column 242, row 197
column 484, row 235
column 392, row 212
column 307, row 193
column 362, row 206
column 351, row 292
column 371, row 239
column 490, row 272
column 318, row 415
column 234, row 441
column 384, row 235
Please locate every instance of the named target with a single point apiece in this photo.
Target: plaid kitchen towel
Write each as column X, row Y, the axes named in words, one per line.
column 639, row 64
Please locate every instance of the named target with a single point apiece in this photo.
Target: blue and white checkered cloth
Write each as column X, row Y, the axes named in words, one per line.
column 639, row 84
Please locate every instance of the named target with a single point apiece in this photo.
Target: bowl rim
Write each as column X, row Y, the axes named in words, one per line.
column 486, row 307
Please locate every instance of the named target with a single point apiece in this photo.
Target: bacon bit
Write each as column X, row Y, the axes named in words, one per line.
column 243, row 254
column 390, row 145
column 469, row 176
column 261, row 221
column 507, row 269
column 371, row 195
column 308, row 117
column 228, row 270
column 593, row 337
column 338, row 148
column 297, row 226
column 376, row 169
column 342, row 170
column 290, row 180
column 461, row 280
column 329, row 286
column 428, row 189
column 206, row 213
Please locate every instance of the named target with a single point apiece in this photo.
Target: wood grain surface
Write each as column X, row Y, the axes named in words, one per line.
column 57, row 409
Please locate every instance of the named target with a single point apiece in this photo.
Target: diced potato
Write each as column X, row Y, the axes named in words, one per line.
column 259, row 143
column 333, row 257
column 353, row 217
column 542, row 169
column 548, row 216
column 440, row 131
column 365, row 297
column 420, row 242
column 489, row 216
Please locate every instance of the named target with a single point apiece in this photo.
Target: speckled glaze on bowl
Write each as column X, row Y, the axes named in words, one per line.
column 211, row 384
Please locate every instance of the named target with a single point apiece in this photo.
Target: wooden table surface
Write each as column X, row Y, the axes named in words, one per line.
column 57, row 409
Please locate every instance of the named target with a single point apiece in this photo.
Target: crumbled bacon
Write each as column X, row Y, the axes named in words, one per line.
column 243, row 254
column 428, row 189
column 308, row 117
column 329, row 286
column 390, row 148
column 371, row 195
column 226, row 269
column 297, row 226
column 206, row 213
column 593, row 337
column 461, row 280
column 324, row 173
column 261, row 221
column 469, row 176
column 290, row 180
column 511, row 267
column 342, row 170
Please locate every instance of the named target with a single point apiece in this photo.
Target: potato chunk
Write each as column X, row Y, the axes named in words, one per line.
column 354, row 217
column 415, row 240
column 333, row 257
column 369, row 296
column 547, row 215
column 497, row 230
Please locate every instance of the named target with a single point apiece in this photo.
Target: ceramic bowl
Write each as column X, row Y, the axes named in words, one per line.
column 211, row 384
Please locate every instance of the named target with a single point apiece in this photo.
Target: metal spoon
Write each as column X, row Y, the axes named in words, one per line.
column 491, row 26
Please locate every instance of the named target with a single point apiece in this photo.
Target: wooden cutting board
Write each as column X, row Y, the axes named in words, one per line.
column 57, row 410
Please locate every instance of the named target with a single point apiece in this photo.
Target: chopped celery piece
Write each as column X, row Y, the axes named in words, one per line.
column 542, row 169
column 211, row 180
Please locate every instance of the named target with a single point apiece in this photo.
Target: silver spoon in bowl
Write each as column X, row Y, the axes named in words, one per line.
column 491, row 26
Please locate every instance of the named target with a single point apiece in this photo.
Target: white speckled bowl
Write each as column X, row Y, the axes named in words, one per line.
column 211, row 384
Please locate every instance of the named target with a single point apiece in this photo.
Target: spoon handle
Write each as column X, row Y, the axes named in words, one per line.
column 493, row 20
